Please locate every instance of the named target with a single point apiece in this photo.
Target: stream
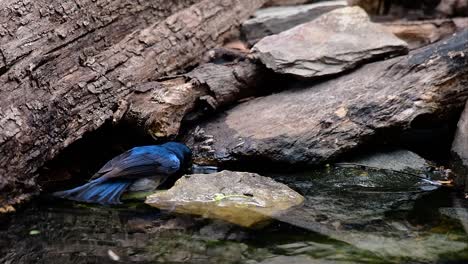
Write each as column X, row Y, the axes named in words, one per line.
column 349, row 216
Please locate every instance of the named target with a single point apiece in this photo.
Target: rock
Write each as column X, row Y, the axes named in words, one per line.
column 335, row 42
column 242, row 198
column 460, row 150
column 372, row 210
column 421, row 33
column 395, row 160
column 407, row 9
column 453, row 7
column 273, row 20
column 371, row 6
column 315, row 123
column 339, row 197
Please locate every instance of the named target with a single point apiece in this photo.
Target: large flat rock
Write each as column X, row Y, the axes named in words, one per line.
column 273, row 20
column 335, row 42
column 312, row 124
column 243, row 198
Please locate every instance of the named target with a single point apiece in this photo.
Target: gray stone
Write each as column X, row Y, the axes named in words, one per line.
column 242, row 198
column 335, row 42
column 364, row 207
column 396, row 160
column 316, row 123
column 273, row 20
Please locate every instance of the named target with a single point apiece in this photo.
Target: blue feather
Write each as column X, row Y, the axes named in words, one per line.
column 117, row 174
column 107, row 192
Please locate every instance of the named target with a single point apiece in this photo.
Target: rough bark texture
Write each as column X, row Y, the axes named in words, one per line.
column 315, row 123
column 160, row 107
column 64, row 66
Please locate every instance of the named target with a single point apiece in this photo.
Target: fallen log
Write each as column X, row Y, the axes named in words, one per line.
column 160, row 107
column 64, row 68
column 316, row 123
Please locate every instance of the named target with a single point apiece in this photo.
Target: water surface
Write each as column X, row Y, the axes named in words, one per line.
column 350, row 216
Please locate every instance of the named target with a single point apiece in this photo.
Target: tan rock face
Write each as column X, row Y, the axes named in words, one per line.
column 242, row 198
column 336, row 41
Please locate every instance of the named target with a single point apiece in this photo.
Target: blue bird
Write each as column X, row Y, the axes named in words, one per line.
column 157, row 162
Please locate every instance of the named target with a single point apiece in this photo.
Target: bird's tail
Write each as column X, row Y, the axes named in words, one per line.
column 97, row 191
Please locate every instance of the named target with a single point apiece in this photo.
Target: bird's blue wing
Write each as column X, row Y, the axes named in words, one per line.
column 141, row 162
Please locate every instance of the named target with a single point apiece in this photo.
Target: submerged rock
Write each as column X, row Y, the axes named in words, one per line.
column 246, row 199
column 380, row 211
column 335, row 42
column 396, row 160
column 273, row 20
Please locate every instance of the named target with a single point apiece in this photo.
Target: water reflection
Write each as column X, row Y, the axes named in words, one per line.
column 348, row 217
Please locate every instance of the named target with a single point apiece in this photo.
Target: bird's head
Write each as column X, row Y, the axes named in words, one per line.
column 183, row 153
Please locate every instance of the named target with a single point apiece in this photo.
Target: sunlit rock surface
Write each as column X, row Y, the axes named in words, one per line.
column 246, row 199
column 335, row 42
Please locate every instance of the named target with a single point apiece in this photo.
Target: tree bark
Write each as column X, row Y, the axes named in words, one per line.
column 65, row 66
column 160, row 107
column 316, row 123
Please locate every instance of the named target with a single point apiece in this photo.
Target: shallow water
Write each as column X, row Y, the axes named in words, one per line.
column 350, row 216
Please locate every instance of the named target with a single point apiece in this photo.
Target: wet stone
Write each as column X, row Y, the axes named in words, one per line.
column 371, row 209
column 245, row 199
column 396, row 160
